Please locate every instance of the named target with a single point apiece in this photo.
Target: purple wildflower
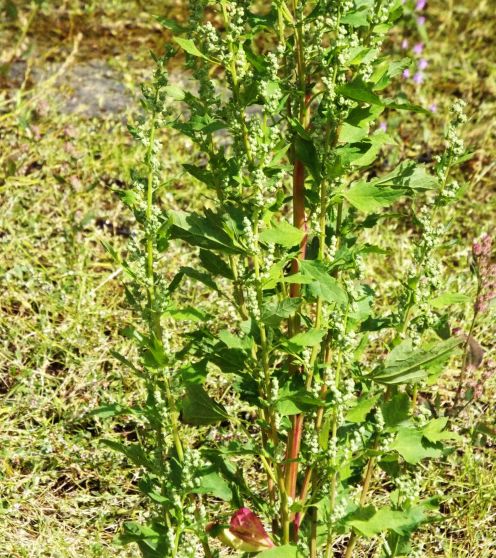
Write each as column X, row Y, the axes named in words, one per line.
column 418, row 78
column 404, row 44
column 433, row 107
column 418, row 49
column 421, row 20
column 383, row 126
column 420, row 5
column 406, row 73
column 423, row 64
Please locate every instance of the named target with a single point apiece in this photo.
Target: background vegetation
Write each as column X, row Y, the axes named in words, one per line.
column 69, row 76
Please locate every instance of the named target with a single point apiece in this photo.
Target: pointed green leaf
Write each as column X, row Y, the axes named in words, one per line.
column 283, row 234
column 200, row 409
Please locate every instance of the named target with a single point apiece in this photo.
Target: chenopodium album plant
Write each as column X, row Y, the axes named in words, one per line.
column 319, row 400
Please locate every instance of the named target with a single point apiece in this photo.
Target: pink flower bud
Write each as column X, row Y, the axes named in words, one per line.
column 247, row 527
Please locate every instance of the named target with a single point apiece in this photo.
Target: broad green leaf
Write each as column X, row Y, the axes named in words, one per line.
column 447, row 299
column 215, row 264
column 386, row 71
column 351, row 134
column 174, row 92
column 199, row 408
column 370, row 197
column 135, row 453
column 285, row 551
column 323, row 284
column 189, row 46
column 383, row 191
column 308, row 338
column 283, row 234
column 356, row 18
column 362, row 116
column 413, row 447
column 274, row 314
column 435, row 431
column 188, row 313
column 396, row 410
column 295, row 402
column 369, row 522
column 359, row 91
column 214, row 484
column 203, row 231
column 412, row 366
column 235, row 342
column 359, row 412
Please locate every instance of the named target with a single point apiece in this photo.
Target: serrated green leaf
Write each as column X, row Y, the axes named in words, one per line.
column 351, row 134
column 274, row 314
column 322, row 283
column 396, row 410
column 234, row 342
column 369, row 522
column 308, row 338
column 369, row 196
column 284, row 234
column 358, row 413
column 200, row 409
column 412, row 446
column 213, row 483
column 435, row 431
column 359, row 91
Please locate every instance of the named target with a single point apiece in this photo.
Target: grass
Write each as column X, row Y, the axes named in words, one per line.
column 62, row 494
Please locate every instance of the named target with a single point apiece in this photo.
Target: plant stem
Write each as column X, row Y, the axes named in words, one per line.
column 299, row 221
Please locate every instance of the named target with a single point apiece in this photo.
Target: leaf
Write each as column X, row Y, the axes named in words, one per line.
column 295, row 402
column 283, row 234
column 396, row 410
column 323, row 284
column 447, row 299
column 369, row 197
column 199, row 408
column 203, row 231
column 308, row 338
column 410, row 444
column 359, row 412
column 274, row 314
column 306, row 153
column 212, row 483
column 188, row 313
column 351, row 134
column 215, row 264
column 370, row 522
column 189, row 46
column 435, row 431
column 356, row 18
column 174, row 92
column 384, row 191
column 234, row 342
column 411, row 366
column 285, row 551
column 359, row 91
column 199, row 276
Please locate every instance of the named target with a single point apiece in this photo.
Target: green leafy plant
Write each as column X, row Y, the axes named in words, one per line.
column 322, row 384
